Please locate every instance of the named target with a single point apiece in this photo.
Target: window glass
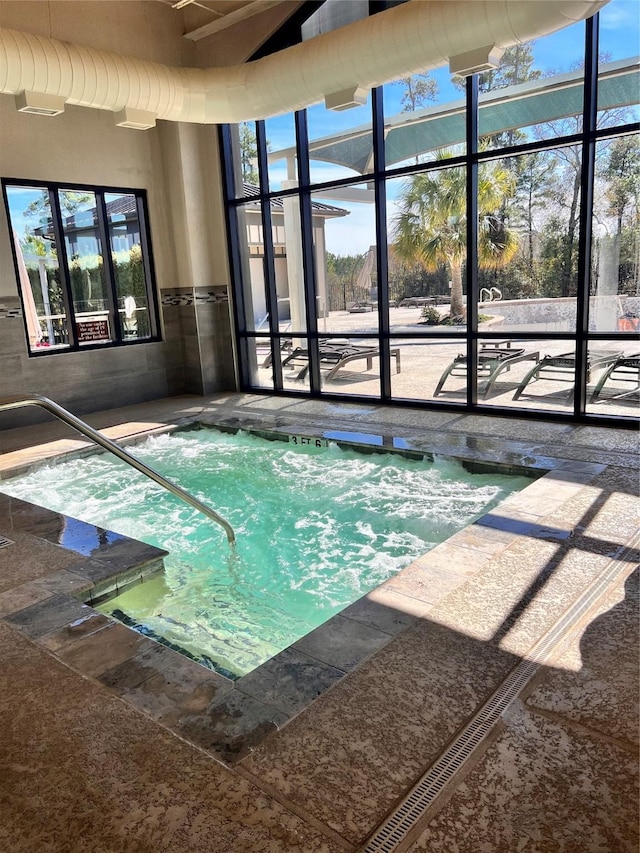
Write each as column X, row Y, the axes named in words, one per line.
column 504, row 363
column 536, row 93
column 244, row 152
column 618, row 71
column 287, row 250
column 93, row 316
column 251, row 246
column 614, row 303
column 259, row 362
column 347, row 366
column 529, row 217
column 427, row 221
column 350, row 366
column 530, row 374
column 281, row 151
column 344, row 236
column 294, row 360
column 41, row 289
column 529, row 231
column 289, row 270
column 419, row 293
column 124, row 232
column 614, row 381
column 424, row 114
column 340, row 142
column 419, row 369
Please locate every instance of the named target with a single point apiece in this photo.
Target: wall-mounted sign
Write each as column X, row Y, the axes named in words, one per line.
column 92, row 330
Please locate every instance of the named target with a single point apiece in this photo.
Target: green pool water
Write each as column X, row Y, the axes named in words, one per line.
column 316, row 529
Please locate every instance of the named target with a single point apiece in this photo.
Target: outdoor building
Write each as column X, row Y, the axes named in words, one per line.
column 285, row 279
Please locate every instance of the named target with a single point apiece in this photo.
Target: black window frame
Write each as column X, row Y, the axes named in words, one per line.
column 472, row 158
column 102, row 224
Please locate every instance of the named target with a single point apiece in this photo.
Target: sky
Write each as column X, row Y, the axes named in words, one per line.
column 559, row 52
column 19, row 199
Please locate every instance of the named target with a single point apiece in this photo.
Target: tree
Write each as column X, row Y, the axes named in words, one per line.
column 409, row 278
column 431, row 227
column 515, row 67
column 248, row 152
column 553, row 258
column 32, row 245
column 565, row 196
column 535, row 176
column 419, row 89
column 342, row 277
column 70, row 203
column 622, row 172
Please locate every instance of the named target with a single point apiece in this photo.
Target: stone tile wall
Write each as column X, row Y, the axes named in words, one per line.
column 194, row 356
column 201, row 318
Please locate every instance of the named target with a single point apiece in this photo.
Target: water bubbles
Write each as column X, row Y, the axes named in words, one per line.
column 316, row 529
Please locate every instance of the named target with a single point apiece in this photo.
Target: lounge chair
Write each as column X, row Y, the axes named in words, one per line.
column 492, row 360
column 334, row 356
column 561, row 368
column 285, row 344
column 626, row 368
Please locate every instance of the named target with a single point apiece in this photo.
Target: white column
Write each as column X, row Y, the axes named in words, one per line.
column 295, row 273
column 606, row 301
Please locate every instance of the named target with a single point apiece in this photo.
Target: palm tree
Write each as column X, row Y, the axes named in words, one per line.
column 431, row 228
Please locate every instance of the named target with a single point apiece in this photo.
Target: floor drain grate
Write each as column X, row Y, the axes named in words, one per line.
column 391, row 834
column 445, row 768
column 4, row 542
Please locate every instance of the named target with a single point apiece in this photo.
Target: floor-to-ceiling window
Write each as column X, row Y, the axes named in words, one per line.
column 453, row 242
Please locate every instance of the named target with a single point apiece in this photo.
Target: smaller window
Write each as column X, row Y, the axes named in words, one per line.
column 83, row 265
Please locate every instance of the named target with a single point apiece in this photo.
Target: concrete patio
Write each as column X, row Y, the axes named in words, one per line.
column 417, row 364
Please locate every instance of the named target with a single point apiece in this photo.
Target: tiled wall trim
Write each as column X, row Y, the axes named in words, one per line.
column 9, row 313
column 197, row 295
column 175, row 297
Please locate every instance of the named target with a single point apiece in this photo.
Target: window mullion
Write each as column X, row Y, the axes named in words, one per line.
column 63, row 268
column 308, row 259
column 148, row 266
column 382, row 258
column 107, row 265
column 587, row 173
column 269, row 259
column 235, row 264
column 472, row 239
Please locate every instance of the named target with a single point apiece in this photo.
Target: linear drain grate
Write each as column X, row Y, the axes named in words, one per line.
column 4, row 542
column 394, row 830
column 439, row 774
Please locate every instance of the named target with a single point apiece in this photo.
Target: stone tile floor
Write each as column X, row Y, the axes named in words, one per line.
column 112, row 742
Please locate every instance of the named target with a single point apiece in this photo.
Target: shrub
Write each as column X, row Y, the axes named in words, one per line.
column 430, row 316
column 453, row 320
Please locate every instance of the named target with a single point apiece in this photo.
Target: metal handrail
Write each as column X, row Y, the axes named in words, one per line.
column 493, row 293
column 16, row 401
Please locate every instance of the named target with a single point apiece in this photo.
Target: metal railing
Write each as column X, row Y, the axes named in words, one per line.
column 17, row 401
column 490, row 294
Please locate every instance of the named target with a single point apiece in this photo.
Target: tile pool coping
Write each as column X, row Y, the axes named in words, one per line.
column 229, row 718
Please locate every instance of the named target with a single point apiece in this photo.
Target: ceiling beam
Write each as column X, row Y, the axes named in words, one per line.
column 232, row 18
